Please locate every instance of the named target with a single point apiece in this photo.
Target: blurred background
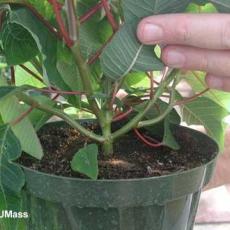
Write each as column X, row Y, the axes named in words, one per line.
column 214, row 209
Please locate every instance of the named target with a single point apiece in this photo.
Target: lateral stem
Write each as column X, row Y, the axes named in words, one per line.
column 60, row 114
column 134, row 123
column 167, row 111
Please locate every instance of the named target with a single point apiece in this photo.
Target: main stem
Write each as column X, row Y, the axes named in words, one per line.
column 103, row 115
column 86, row 81
column 107, row 133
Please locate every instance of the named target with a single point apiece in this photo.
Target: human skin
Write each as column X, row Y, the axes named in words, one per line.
column 193, row 42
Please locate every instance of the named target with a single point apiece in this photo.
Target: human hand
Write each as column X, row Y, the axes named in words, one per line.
column 193, row 42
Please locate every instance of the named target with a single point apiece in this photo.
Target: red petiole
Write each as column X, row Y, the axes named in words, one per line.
column 123, row 115
column 190, row 99
column 57, row 11
column 91, row 12
column 109, row 15
column 61, row 92
column 147, row 140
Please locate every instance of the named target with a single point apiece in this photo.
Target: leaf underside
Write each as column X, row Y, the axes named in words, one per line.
column 208, row 113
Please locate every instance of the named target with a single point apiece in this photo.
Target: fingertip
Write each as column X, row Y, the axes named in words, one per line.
column 173, row 57
column 164, row 54
column 215, row 82
column 140, row 29
column 149, row 32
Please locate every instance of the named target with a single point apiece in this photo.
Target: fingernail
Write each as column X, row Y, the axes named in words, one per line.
column 215, row 82
column 175, row 59
column 151, row 33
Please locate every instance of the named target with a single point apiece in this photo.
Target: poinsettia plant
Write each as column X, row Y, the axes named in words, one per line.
column 82, row 55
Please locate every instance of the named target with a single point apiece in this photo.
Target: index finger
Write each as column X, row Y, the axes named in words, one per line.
column 210, row 31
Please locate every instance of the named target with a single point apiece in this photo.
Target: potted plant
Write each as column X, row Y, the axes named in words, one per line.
column 130, row 166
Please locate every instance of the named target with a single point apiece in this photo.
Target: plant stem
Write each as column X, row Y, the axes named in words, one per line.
column 134, row 122
column 97, row 54
column 61, row 92
column 155, row 120
column 91, row 12
column 61, row 114
column 86, row 80
column 83, row 67
column 64, row 32
column 146, row 141
column 2, row 14
column 106, row 130
column 166, row 112
column 71, row 19
column 109, row 15
column 104, row 116
column 31, row 73
column 49, row 26
column 123, row 115
column 22, row 116
column 190, row 99
column 12, row 73
column 37, row 65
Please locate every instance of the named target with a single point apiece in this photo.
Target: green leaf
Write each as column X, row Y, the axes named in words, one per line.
column 6, row 91
column 37, row 117
column 200, row 2
column 24, row 78
column 85, row 161
column 90, row 38
column 43, row 7
column 125, row 54
column 11, row 175
column 169, row 139
column 66, row 66
column 93, row 32
column 136, row 80
column 105, row 30
column 162, row 129
column 206, row 8
column 17, row 43
column 208, row 113
column 47, row 44
column 197, row 81
column 10, row 109
column 135, row 10
column 222, row 6
column 45, row 40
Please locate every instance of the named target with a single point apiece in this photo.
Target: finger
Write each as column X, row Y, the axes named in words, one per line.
column 219, row 83
column 211, row 31
column 190, row 58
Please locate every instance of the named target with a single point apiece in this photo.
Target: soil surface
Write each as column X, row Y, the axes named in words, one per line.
column 131, row 158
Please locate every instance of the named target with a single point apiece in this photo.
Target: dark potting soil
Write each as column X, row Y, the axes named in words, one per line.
column 131, row 158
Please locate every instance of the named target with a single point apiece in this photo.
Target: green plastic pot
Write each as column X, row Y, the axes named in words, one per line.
column 160, row 203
